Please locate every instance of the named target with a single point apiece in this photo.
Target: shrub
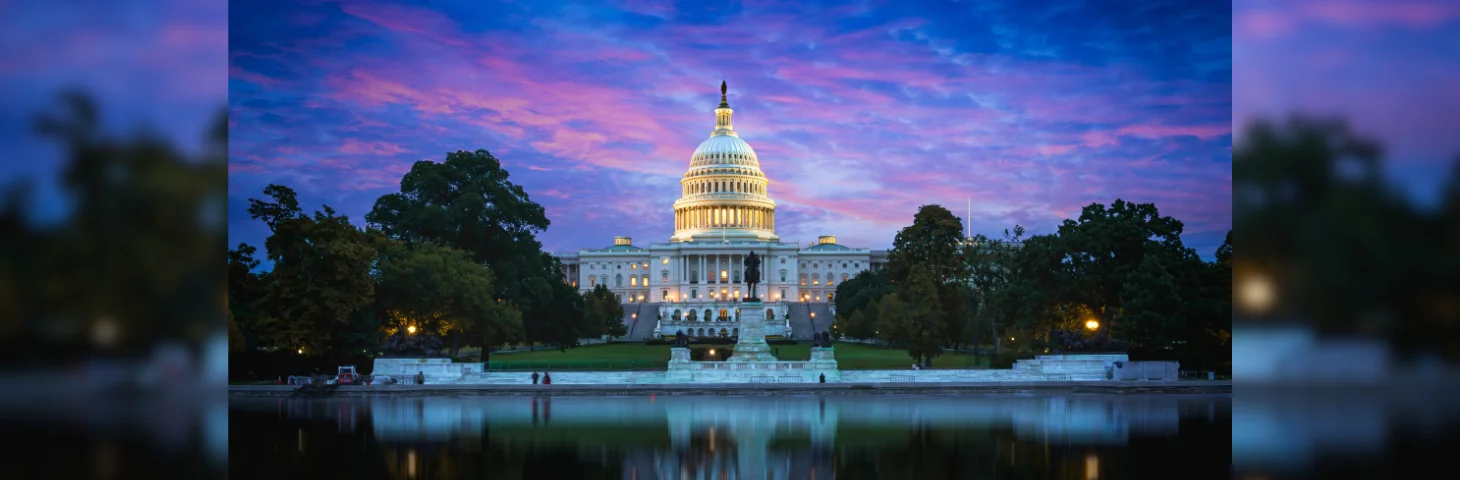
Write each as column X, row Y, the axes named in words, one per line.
column 702, row 353
column 1005, row 360
column 781, row 341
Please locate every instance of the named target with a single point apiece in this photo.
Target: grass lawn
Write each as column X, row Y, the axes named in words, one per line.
column 629, row 356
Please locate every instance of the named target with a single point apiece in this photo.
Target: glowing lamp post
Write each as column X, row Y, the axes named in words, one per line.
column 411, row 329
column 1092, row 325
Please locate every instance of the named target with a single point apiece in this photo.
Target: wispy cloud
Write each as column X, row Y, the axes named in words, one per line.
column 860, row 114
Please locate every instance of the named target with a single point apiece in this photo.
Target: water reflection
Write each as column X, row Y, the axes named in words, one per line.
column 1088, row 437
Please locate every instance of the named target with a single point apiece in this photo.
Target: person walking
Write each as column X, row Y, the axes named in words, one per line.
column 534, row 378
column 547, row 378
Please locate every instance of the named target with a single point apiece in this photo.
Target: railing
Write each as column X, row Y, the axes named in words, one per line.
column 902, row 378
column 790, row 380
column 1056, row 376
column 532, row 366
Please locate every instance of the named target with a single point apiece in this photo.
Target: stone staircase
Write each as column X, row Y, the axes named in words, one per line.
column 823, row 320
column 641, row 328
column 801, row 327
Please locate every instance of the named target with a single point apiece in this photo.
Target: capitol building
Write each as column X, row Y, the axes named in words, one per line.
column 694, row 282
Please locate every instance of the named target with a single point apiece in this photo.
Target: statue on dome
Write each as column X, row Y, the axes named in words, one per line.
column 752, row 275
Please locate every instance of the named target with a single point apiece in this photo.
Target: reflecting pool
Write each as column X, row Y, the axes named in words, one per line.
column 774, row 437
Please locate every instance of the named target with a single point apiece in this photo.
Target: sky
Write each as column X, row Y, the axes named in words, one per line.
column 859, row 113
column 158, row 67
column 1391, row 69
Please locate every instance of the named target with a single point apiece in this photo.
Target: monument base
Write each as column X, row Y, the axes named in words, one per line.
column 751, row 346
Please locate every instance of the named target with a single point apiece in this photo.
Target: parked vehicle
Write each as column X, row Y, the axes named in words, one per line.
column 347, row 376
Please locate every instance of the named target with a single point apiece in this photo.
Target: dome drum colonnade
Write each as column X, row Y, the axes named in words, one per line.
column 724, row 194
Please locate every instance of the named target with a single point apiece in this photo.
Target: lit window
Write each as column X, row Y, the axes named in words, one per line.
column 633, row 281
column 666, row 260
column 634, row 267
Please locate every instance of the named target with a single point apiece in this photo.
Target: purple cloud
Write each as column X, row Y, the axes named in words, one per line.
column 859, row 114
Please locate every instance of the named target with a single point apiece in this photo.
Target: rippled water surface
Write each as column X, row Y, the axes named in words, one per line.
column 804, row 437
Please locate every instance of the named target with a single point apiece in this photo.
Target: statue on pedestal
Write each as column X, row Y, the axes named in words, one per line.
column 752, row 275
column 680, row 340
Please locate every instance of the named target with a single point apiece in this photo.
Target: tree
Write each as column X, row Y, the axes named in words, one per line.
column 235, row 339
column 861, row 324
column 138, row 246
column 245, row 289
column 860, row 294
column 442, row 292
column 932, row 241
column 1105, row 246
column 996, row 276
column 321, row 275
column 924, row 325
column 1151, row 300
column 469, row 203
column 603, row 314
column 889, row 322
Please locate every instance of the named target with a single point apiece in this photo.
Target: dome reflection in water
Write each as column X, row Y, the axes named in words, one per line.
column 882, row 436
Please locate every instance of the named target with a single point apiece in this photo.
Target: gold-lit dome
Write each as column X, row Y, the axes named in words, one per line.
column 724, row 193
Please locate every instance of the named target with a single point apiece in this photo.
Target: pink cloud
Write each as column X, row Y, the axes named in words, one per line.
column 1204, row 132
column 356, row 147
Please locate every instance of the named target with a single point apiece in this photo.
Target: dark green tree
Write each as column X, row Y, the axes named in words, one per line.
column 1105, row 246
column 139, row 248
column 603, row 314
column 924, row 323
column 857, row 294
column 932, row 241
column 321, row 276
column 441, row 291
column 469, row 203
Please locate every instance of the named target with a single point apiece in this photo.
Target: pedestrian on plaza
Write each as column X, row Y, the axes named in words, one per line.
column 534, row 378
column 547, row 378
column 420, row 377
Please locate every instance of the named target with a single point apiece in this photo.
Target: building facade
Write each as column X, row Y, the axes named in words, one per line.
column 695, row 280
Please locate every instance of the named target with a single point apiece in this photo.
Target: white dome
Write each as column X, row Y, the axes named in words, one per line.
column 723, row 144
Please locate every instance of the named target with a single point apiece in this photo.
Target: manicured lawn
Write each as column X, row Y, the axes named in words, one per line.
column 626, row 356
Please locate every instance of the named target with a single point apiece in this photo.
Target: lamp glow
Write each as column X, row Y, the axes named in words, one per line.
column 411, row 329
column 1092, row 324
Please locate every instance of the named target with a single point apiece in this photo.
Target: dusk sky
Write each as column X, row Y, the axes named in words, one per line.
column 859, row 113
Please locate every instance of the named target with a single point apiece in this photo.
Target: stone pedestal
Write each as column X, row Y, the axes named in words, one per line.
column 823, row 361
column 680, row 366
column 751, row 346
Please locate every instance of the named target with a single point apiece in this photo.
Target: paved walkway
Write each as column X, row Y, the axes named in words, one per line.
column 924, row 388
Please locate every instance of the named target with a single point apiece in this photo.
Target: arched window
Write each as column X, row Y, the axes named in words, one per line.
column 692, row 315
column 803, row 279
column 676, row 315
column 592, row 281
column 783, row 275
column 770, row 314
column 815, row 279
column 618, row 280
column 702, row 332
column 664, row 275
column 724, row 315
column 708, row 315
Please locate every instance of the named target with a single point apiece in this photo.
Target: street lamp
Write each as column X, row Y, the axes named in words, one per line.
column 1092, row 324
column 411, row 329
column 301, row 350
